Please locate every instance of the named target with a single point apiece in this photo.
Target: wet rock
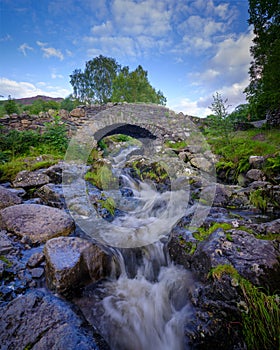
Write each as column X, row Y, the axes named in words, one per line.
column 35, row 260
column 255, row 175
column 256, row 260
column 37, row 272
column 29, row 179
column 217, row 321
column 51, row 195
column 55, row 172
column 6, row 245
column 72, row 261
column 256, row 162
column 8, row 198
column 40, row 321
column 38, row 222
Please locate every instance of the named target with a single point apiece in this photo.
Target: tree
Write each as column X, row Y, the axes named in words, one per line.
column 135, row 87
column 263, row 92
column 105, row 80
column 95, row 83
column 11, row 106
column 220, row 122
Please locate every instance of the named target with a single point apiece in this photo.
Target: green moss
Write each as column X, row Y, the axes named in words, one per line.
column 218, row 271
column 201, row 233
column 108, row 204
column 176, row 145
column 260, row 314
column 101, row 177
column 189, row 247
column 6, row 261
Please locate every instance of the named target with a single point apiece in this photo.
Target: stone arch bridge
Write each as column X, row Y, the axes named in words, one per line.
column 151, row 124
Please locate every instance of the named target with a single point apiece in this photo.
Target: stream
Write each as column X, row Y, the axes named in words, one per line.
column 145, row 305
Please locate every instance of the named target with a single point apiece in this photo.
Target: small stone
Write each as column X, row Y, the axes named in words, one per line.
column 256, row 162
column 37, row 272
column 35, row 260
column 255, row 175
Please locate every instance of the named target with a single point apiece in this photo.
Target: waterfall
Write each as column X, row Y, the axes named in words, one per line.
column 145, row 306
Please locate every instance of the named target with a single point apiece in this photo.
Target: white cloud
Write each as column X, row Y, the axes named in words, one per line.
column 50, row 51
column 7, row 37
column 24, row 47
column 189, row 107
column 20, row 89
column 56, row 76
column 134, row 28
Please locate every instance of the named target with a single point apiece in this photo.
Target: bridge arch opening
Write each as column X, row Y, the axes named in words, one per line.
column 132, row 130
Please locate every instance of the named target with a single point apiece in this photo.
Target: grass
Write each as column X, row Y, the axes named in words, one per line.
column 260, row 316
column 244, row 144
column 9, row 170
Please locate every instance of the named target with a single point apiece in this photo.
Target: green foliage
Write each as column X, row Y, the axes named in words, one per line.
column 260, row 312
column 261, row 323
column 220, row 124
column 101, row 177
column 55, row 135
column 135, row 87
column 234, row 156
column 11, row 106
column 263, row 92
column 95, row 83
column 259, row 199
column 10, row 169
column 41, row 106
column 242, row 113
column 104, row 80
column 69, row 103
column 108, row 204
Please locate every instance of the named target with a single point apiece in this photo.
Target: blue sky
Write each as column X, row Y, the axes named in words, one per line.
column 190, row 48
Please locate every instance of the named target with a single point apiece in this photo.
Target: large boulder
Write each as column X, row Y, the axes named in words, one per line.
column 8, row 198
column 255, row 259
column 72, row 262
column 29, row 179
column 37, row 222
column 41, row 321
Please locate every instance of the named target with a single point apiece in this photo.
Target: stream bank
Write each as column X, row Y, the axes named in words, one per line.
column 203, row 308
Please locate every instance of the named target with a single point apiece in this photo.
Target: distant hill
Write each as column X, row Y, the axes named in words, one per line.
column 30, row 100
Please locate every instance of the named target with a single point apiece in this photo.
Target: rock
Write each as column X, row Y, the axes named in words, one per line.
column 201, row 163
column 78, row 113
column 35, row 260
column 8, row 198
column 37, row 272
column 6, row 245
column 72, row 261
column 255, row 175
column 38, row 222
column 51, row 195
column 41, row 321
column 29, row 179
column 256, row 162
column 63, row 113
column 55, row 172
column 256, row 260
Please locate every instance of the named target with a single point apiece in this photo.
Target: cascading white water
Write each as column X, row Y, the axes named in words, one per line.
column 147, row 306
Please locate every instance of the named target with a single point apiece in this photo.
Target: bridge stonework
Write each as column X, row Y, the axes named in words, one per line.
column 159, row 122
